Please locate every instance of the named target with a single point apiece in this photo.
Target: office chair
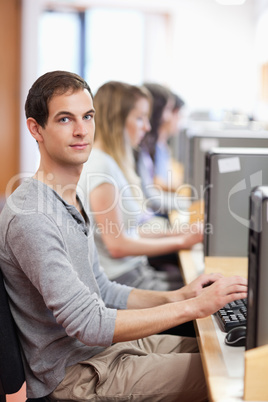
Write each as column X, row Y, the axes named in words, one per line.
column 11, row 367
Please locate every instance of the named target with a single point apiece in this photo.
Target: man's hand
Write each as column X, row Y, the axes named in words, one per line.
column 224, row 290
column 150, row 312
column 194, row 288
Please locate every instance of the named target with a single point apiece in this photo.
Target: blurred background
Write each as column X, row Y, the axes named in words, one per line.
column 213, row 53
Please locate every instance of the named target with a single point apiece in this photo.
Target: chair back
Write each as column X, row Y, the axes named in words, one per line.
column 11, row 367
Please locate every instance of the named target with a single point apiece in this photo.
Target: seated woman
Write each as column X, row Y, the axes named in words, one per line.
column 166, row 169
column 153, row 158
column 124, row 232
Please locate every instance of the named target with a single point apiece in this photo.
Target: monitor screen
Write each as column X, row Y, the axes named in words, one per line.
column 231, row 174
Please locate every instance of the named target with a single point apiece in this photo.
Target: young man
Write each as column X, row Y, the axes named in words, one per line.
column 84, row 337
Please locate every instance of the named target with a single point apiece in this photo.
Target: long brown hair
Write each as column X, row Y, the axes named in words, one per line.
column 113, row 102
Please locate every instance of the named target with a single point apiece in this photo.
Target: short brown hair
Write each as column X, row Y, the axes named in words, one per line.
column 45, row 87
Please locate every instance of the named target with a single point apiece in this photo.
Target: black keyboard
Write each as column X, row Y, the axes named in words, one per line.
column 232, row 315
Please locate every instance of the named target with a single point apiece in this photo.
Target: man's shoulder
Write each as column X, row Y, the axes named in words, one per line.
column 14, row 211
column 27, row 202
column 22, row 199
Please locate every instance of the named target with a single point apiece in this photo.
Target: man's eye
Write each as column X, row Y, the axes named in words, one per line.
column 88, row 117
column 64, row 119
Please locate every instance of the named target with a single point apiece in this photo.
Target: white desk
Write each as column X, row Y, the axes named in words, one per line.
column 223, row 365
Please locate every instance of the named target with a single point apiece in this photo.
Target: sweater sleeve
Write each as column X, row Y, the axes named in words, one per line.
column 114, row 295
column 48, row 280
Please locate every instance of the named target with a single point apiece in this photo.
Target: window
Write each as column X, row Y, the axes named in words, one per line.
column 59, row 42
column 103, row 44
column 114, row 46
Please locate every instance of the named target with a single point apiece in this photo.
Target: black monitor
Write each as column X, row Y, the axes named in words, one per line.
column 257, row 319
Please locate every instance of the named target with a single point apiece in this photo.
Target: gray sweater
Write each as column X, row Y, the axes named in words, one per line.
column 62, row 302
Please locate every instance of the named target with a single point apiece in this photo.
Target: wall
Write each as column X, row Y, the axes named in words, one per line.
column 211, row 62
column 214, row 65
column 10, row 91
column 31, row 9
column 209, row 56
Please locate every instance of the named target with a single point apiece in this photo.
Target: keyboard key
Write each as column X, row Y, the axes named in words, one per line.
column 232, row 315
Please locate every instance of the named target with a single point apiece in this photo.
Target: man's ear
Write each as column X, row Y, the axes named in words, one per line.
column 35, row 129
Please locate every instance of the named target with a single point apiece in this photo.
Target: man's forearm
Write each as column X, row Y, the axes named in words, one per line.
column 141, row 299
column 136, row 324
column 151, row 312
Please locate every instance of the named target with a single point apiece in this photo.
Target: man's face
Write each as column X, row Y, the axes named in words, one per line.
column 68, row 136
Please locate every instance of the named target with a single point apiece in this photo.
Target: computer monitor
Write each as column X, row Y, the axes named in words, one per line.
column 196, row 142
column 230, row 175
column 181, row 142
column 257, row 319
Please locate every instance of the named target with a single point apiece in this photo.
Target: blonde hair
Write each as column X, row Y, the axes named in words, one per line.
column 113, row 102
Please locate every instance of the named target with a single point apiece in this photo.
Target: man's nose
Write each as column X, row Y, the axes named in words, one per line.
column 80, row 128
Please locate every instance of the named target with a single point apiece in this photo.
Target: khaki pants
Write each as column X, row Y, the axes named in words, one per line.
column 158, row 368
